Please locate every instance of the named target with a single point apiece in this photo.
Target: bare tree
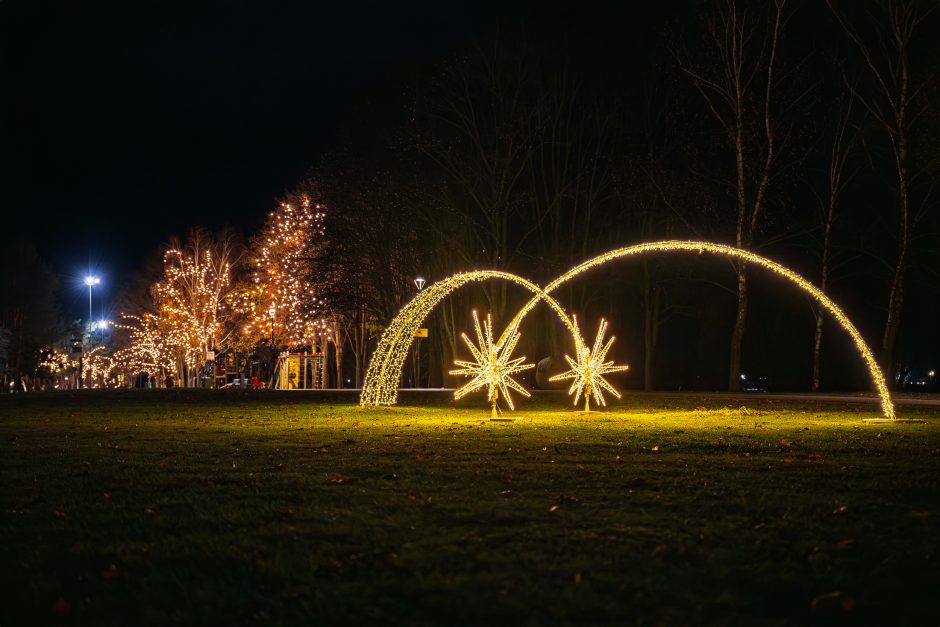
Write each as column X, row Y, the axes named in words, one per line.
column 370, row 256
column 840, row 149
column 739, row 91
column 479, row 130
column 893, row 104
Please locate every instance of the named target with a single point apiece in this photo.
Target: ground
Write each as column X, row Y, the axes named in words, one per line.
column 160, row 507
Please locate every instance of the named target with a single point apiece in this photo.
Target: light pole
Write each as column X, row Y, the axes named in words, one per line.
column 274, row 356
column 91, row 281
column 416, row 367
column 271, row 312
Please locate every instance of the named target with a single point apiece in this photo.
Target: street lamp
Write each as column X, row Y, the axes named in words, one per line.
column 271, row 313
column 416, row 355
column 90, row 281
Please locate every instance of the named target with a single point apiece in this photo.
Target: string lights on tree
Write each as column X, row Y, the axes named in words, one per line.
column 192, row 302
column 280, row 301
column 149, row 349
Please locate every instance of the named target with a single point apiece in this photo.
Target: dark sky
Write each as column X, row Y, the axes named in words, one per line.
column 123, row 125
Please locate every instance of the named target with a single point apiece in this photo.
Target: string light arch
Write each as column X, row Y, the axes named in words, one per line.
column 381, row 383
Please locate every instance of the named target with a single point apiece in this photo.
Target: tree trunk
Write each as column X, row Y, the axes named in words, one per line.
column 737, row 334
column 651, row 307
column 896, row 297
column 823, row 284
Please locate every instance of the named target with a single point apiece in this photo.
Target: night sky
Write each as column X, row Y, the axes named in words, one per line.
column 124, row 125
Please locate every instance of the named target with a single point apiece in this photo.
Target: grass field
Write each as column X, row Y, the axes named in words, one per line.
column 163, row 507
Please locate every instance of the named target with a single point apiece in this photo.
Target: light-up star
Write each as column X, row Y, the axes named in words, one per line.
column 590, row 367
column 492, row 366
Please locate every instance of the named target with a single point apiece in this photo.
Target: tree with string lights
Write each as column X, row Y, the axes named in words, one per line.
column 279, row 302
column 192, row 299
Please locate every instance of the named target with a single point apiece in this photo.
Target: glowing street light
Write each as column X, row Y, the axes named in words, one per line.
column 419, row 283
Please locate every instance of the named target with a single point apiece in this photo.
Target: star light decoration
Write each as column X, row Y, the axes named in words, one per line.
column 492, row 366
column 589, row 369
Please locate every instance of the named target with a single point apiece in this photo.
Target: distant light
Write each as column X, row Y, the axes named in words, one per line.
column 932, row 373
column 92, row 280
column 743, row 376
column 101, row 325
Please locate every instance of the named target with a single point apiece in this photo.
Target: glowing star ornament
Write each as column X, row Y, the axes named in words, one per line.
column 589, row 369
column 492, row 366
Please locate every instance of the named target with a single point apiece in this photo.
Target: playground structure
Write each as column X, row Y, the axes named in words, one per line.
column 299, row 371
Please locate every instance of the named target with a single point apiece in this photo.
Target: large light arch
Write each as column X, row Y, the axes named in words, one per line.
column 380, row 386
column 887, row 406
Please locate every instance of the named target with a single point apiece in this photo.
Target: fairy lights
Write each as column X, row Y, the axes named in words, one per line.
column 191, row 301
column 98, row 368
column 197, row 309
column 150, row 348
column 380, row 386
column 491, row 366
column 191, row 315
column 279, row 302
column 58, row 363
column 589, row 368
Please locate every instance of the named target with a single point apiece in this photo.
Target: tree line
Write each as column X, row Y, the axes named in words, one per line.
column 805, row 133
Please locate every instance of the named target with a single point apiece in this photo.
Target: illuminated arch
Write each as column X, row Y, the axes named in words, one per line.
column 887, row 407
column 380, row 386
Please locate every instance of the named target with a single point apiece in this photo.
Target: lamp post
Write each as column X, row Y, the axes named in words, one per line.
column 91, row 281
column 271, row 312
column 416, row 368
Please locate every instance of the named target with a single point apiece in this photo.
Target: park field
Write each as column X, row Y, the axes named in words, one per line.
column 187, row 507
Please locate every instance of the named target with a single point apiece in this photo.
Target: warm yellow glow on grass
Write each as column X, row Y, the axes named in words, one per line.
column 491, row 365
column 380, row 386
column 588, row 368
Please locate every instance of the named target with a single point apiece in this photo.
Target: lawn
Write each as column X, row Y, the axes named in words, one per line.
column 161, row 507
